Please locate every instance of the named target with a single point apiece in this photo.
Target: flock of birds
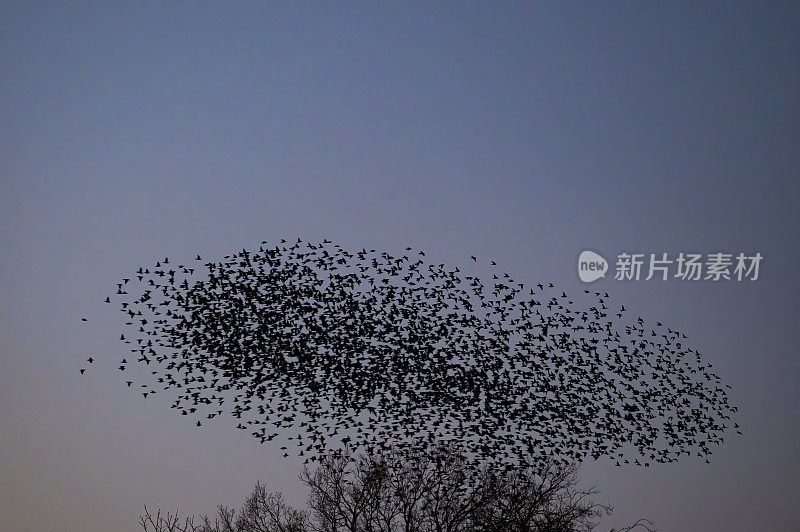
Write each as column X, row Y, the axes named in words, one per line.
column 320, row 348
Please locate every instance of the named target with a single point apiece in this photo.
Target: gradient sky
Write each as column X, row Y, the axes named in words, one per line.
column 520, row 132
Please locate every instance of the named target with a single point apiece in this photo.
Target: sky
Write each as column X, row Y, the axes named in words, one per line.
column 519, row 132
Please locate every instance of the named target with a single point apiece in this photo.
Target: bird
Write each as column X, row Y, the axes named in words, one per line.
column 363, row 350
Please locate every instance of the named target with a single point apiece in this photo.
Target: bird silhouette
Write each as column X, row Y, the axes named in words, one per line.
column 328, row 348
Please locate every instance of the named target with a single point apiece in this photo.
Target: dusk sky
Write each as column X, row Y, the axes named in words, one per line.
column 523, row 133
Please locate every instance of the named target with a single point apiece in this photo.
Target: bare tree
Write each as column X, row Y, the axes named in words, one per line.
column 167, row 522
column 264, row 511
column 440, row 494
column 400, row 493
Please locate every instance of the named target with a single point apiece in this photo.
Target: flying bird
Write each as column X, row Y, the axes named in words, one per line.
column 331, row 348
